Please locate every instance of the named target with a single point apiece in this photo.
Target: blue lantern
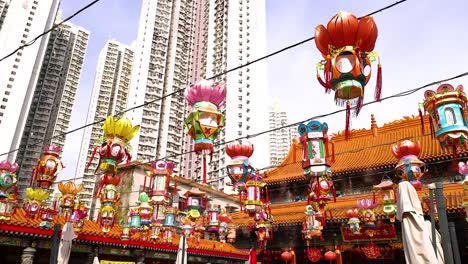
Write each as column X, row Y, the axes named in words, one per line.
column 315, row 158
column 445, row 107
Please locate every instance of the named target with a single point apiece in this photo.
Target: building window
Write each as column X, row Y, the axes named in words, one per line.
column 2, row 106
column 5, row 100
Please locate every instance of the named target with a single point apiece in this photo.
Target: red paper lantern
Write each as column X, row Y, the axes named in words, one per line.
column 329, row 255
column 286, row 256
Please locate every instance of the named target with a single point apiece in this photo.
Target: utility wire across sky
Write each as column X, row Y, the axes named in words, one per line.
column 39, row 142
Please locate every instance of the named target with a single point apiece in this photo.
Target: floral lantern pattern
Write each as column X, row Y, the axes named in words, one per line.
column 114, row 148
column 145, row 210
column 368, row 214
column 232, row 233
column 346, row 45
column 447, row 120
column 160, row 197
column 69, row 192
column 48, row 212
column 316, row 159
column 195, row 203
column 387, row 191
column 253, row 202
column 312, row 226
column 160, row 177
column 169, row 225
column 107, row 213
column 35, row 201
column 48, row 166
column 239, row 169
column 224, row 225
column 135, row 221
column 205, row 121
column 213, row 223
column 8, row 189
column 316, row 162
column 410, row 167
column 78, row 216
column 353, row 222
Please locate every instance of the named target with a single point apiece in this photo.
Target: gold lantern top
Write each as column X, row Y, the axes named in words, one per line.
column 119, row 129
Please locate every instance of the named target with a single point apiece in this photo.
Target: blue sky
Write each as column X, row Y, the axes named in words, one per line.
column 420, row 41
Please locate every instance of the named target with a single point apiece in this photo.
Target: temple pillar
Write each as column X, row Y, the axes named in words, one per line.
column 140, row 256
column 91, row 256
column 28, row 255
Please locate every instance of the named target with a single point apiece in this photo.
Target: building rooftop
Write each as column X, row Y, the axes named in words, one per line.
column 366, row 150
column 292, row 213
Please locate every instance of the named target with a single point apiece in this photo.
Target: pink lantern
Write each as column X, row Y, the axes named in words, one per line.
column 368, row 214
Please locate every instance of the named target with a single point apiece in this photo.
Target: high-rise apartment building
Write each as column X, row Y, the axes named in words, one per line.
column 163, row 58
column 279, row 140
column 235, row 34
column 54, row 96
column 4, row 5
column 21, row 21
column 109, row 97
column 181, row 42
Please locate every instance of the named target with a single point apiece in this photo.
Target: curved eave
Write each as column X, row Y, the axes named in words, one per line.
column 24, row 231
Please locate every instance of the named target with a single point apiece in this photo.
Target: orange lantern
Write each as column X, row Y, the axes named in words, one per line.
column 346, row 45
column 48, row 166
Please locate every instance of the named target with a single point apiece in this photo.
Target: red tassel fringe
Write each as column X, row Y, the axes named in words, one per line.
column 359, row 104
column 421, row 117
column 348, row 120
column 378, row 86
column 175, row 187
column 328, row 74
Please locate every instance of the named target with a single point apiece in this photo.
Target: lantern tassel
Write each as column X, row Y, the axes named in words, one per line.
column 175, row 187
column 378, row 86
column 204, row 167
column 421, row 118
column 324, row 84
column 253, row 256
column 328, row 74
column 348, row 120
column 359, row 104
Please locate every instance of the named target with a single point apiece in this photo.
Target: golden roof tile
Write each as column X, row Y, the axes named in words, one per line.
column 293, row 213
column 366, row 150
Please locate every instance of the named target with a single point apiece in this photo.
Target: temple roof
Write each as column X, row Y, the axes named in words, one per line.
column 366, row 150
column 292, row 213
column 21, row 224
